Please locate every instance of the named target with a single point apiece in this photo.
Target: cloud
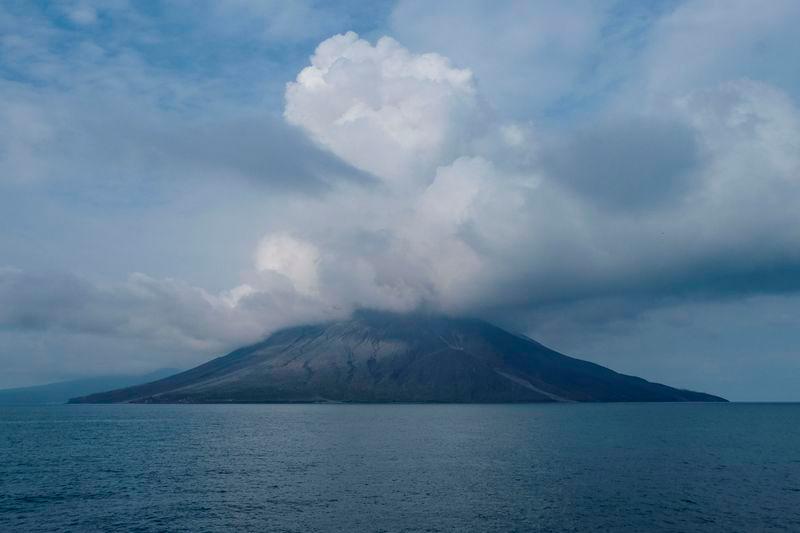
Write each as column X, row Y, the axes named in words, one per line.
column 497, row 215
column 142, row 319
column 140, row 306
column 82, row 13
column 528, row 57
column 53, row 135
column 272, row 20
column 626, row 163
column 639, row 204
column 701, row 43
column 556, row 169
column 381, row 108
column 744, row 348
column 295, row 259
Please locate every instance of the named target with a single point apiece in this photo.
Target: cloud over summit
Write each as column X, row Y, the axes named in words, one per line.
column 634, row 203
column 561, row 167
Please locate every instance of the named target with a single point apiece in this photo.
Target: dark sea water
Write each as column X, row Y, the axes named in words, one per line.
column 613, row 467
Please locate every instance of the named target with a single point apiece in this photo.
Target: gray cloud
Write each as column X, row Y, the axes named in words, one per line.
column 162, row 319
column 626, row 164
column 262, row 149
column 59, row 139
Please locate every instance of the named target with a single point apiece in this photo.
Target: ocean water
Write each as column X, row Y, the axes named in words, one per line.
column 303, row 468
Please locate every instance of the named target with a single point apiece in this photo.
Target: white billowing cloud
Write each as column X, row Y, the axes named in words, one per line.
column 290, row 257
column 496, row 226
column 417, row 124
column 447, row 202
column 234, row 296
column 381, row 108
column 455, row 203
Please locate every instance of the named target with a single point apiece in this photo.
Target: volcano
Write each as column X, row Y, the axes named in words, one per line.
column 386, row 357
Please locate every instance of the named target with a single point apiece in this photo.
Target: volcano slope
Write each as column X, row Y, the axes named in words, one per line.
column 388, row 357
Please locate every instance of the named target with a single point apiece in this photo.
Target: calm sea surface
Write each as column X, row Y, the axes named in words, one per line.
column 617, row 467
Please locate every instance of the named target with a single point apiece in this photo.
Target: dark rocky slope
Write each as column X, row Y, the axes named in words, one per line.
column 386, row 357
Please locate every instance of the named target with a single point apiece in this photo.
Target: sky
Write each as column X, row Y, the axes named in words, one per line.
column 618, row 179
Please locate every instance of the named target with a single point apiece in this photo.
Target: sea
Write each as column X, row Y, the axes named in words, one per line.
column 678, row 467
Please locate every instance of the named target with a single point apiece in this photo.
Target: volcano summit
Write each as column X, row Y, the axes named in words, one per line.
column 389, row 357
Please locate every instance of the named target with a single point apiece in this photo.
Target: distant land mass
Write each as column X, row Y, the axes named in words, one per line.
column 390, row 357
column 62, row 391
